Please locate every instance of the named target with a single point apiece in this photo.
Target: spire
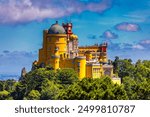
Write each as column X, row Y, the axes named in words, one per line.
column 23, row 72
column 56, row 22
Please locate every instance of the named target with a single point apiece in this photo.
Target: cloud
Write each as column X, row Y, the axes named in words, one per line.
column 126, row 51
column 16, row 57
column 124, row 46
column 13, row 62
column 6, row 51
column 140, row 47
column 145, row 43
column 129, row 27
column 20, row 11
column 129, row 47
column 108, row 34
column 119, row 46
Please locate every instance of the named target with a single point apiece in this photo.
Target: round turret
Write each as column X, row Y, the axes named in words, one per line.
column 56, row 29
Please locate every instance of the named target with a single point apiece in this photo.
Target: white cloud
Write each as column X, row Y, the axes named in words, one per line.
column 14, row 11
column 145, row 43
column 129, row 27
column 13, row 62
column 108, row 34
column 140, row 47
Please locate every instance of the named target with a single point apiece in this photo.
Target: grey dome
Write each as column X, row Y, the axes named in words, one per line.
column 56, row 29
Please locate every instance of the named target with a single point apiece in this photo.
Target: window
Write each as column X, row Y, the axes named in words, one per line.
column 107, row 72
column 49, row 40
column 57, row 48
column 96, row 72
column 78, row 64
column 49, row 48
column 57, row 40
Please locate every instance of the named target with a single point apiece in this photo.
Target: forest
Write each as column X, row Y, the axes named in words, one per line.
column 43, row 83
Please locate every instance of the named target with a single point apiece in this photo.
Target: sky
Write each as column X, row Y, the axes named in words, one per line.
column 123, row 24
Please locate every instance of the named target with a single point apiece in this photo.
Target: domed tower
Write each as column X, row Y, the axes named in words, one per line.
column 54, row 45
column 56, row 29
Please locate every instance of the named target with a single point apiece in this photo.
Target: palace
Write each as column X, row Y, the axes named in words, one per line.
column 60, row 49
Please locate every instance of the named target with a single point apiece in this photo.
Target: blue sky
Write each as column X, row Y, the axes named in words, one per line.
column 124, row 24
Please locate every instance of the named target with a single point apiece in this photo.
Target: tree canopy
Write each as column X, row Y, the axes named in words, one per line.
column 43, row 83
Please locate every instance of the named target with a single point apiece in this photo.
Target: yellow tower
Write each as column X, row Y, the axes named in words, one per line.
column 54, row 45
column 55, row 60
column 80, row 66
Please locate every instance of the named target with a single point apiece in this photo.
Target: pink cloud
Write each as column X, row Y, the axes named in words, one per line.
column 108, row 34
column 14, row 11
column 145, row 43
column 130, row 27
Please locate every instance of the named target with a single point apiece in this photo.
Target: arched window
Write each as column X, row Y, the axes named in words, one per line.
column 107, row 72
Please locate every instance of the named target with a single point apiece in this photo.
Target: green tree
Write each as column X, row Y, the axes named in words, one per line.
column 19, row 92
column 45, row 83
column 9, row 85
column 67, row 76
column 1, row 85
column 143, row 90
column 92, row 89
column 4, row 95
column 116, row 65
column 33, row 95
column 124, row 67
column 35, row 78
column 130, row 86
column 142, row 69
column 50, row 89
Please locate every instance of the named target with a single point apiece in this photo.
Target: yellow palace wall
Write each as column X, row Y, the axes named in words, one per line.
column 54, row 52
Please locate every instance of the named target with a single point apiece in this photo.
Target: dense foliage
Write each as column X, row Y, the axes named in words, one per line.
column 135, row 77
column 44, row 83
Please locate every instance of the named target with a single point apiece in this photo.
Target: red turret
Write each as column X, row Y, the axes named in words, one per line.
column 103, row 47
column 68, row 28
